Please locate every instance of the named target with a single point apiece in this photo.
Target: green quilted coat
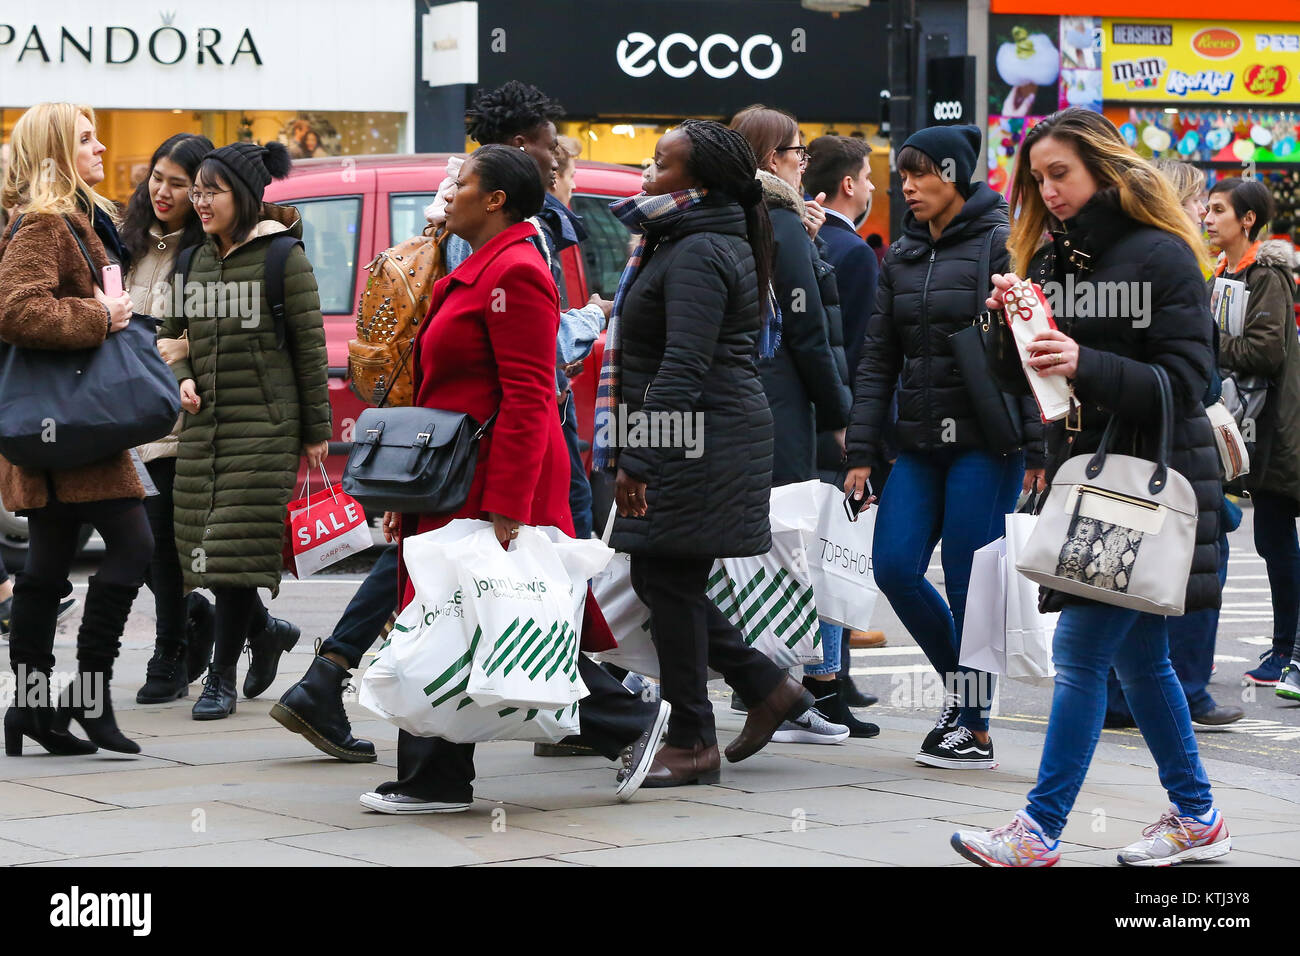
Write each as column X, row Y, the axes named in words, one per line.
column 258, row 405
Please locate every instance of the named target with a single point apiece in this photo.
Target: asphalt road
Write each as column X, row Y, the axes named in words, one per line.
column 1268, row 737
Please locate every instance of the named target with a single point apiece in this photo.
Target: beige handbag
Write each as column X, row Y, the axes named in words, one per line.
column 1233, row 455
column 1118, row 529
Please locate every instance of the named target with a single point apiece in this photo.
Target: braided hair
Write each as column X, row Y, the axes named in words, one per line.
column 721, row 159
column 514, row 108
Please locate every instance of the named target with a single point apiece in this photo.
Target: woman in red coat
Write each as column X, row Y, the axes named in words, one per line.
column 488, row 344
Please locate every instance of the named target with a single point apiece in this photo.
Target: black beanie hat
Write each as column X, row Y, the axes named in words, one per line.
column 255, row 165
column 958, row 144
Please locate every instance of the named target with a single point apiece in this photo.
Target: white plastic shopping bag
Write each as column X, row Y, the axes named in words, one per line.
column 839, row 561
column 521, row 605
column 769, row 597
column 983, row 633
column 628, row 618
column 1029, row 632
column 419, row 677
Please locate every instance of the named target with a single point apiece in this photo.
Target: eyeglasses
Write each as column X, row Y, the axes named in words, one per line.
column 205, row 195
column 801, row 150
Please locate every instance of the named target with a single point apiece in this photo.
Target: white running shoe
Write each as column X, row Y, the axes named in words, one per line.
column 810, row 728
column 1178, row 838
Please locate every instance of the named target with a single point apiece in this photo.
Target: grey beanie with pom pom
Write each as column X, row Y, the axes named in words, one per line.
column 255, row 165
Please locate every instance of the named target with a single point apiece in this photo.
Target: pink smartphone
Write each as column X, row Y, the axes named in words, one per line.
column 112, row 281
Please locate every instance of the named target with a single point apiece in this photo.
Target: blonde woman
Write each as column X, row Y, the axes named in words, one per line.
column 1113, row 218
column 50, row 299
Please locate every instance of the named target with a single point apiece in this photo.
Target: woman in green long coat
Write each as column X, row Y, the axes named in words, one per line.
column 256, row 391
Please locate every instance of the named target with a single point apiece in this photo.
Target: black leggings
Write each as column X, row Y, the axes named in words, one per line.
column 239, row 611
column 165, row 579
column 53, row 532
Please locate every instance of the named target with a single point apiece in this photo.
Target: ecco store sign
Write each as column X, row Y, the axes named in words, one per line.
column 719, row 55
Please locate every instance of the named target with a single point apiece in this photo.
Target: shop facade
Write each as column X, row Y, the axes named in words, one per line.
column 325, row 77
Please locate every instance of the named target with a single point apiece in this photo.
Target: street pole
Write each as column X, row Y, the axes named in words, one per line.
column 902, row 97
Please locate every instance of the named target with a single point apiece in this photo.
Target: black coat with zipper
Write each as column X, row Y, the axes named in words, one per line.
column 1117, row 350
column 928, row 291
column 689, row 325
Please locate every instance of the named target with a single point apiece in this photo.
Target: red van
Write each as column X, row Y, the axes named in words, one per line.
column 354, row 207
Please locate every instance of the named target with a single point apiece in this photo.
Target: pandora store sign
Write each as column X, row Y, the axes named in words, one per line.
column 247, row 54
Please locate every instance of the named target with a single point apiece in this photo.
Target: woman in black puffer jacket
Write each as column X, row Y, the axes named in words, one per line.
column 948, row 482
column 1115, row 220
column 681, row 342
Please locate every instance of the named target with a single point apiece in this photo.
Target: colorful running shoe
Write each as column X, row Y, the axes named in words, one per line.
column 1177, row 838
column 1020, row 843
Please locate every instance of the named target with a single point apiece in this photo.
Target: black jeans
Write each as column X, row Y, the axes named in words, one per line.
column 610, row 718
column 368, row 611
column 52, row 545
column 239, row 613
column 165, row 579
column 692, row 635
column 1277, row 543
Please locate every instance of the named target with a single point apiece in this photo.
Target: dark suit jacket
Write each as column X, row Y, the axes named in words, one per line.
column 856, row 271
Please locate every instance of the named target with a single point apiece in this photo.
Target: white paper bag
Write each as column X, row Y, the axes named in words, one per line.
column 839, row 562
column 983, row 632
column 1028, row 633
column 628, row 619
column 420, row 674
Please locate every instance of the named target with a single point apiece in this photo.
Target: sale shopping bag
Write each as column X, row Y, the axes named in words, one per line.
column 323, row 529
column 839, row 561
column 527, row 602
column 420, row 675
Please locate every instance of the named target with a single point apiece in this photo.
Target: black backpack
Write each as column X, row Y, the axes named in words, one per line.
column 276, row 257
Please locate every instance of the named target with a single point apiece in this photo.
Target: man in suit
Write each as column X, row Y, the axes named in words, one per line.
column 839, row 167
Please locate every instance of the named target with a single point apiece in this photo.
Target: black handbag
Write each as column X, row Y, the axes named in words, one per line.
column 413, row 460
column 981, row 354
column 67, row 408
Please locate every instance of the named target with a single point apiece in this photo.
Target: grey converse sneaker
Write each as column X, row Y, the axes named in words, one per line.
column 810, row 728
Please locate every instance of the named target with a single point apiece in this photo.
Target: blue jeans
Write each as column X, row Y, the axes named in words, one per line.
column 367, row 612
column 579, row 486
column 831, row 636
column 961, row 496
column 1277, row 543
column 1089, row 639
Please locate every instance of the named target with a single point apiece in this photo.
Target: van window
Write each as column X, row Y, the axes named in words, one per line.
column 330, row 233
column 406, row 215
column 606, row 246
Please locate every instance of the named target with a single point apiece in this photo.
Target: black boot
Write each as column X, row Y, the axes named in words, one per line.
column 831, row 705
column 849, row 690
column 32, row 715
column 165, row 679
column 265, row 648
column 87, row 700
column 313, row 707
column 200, row 635
column 218, row 697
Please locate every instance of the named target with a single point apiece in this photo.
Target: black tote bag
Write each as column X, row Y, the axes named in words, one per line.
column 64, row 409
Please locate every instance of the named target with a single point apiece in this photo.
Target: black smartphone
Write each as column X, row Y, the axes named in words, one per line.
column 853, row 505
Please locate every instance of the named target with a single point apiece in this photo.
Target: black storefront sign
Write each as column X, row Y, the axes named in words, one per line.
column 678, row 58
column 950, row 91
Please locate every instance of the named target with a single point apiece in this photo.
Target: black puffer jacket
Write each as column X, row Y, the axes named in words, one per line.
column 1173, row 329
column 929, row 291
column 690, row 322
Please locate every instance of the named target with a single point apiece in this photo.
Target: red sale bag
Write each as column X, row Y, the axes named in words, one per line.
column 323, row 529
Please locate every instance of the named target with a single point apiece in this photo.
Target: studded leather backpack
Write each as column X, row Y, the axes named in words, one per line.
column 392, row 306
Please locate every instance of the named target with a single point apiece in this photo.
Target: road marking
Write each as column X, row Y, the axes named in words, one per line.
column 1257, row 641
column 1228, row 658
column 884, row 651
column 891, row 669
column 1236, row 590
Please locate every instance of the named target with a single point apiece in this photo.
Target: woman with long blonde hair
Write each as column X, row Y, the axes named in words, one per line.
column 1093, row 212
column 51, row 298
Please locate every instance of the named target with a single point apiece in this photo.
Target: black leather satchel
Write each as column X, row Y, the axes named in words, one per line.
column 414, row 460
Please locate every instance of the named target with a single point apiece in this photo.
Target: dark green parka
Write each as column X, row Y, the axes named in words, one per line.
column 258, row 405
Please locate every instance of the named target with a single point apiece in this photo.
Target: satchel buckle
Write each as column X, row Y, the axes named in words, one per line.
column 423, row 437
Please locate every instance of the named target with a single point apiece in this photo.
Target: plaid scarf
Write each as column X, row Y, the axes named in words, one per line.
column 634, row 212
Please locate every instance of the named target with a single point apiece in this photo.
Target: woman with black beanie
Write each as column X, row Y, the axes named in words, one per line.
column 682, row 340
column 256, row 390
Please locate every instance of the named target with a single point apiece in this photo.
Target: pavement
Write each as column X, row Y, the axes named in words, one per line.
column 243, row 791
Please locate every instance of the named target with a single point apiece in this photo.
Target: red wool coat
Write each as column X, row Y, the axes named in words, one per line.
column 488, row 343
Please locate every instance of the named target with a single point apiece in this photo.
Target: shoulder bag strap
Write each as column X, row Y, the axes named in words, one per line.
column 277, row 256
column 94, row 273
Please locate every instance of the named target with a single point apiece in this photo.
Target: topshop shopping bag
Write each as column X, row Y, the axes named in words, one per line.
column 839, row 561
column 420, row 674
column 323, row 529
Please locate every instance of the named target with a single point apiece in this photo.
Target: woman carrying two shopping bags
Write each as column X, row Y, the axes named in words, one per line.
column 488, row 347
column 1114, row 219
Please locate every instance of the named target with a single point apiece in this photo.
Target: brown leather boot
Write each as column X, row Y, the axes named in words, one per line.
column 681, row 766
column 787, row 702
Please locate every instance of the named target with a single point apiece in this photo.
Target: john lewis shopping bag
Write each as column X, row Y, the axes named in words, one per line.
column 323, row 528
column 839, row 561
column 420, row 675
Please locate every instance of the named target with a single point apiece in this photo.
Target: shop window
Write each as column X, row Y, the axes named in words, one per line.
column 406, row 215
column 330, row 233
column 606, row 246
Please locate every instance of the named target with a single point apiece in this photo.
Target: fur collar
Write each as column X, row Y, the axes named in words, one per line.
column 1276, row 252
column 778, row 194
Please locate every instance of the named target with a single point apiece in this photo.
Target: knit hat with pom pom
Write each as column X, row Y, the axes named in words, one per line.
column 255, row 165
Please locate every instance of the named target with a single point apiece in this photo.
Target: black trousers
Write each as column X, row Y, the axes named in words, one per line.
column 368, row 611
column 692, row 635
column 609, row 718
column 165, row 579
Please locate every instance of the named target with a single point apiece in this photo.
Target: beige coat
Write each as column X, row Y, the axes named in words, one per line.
column 150, row 284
